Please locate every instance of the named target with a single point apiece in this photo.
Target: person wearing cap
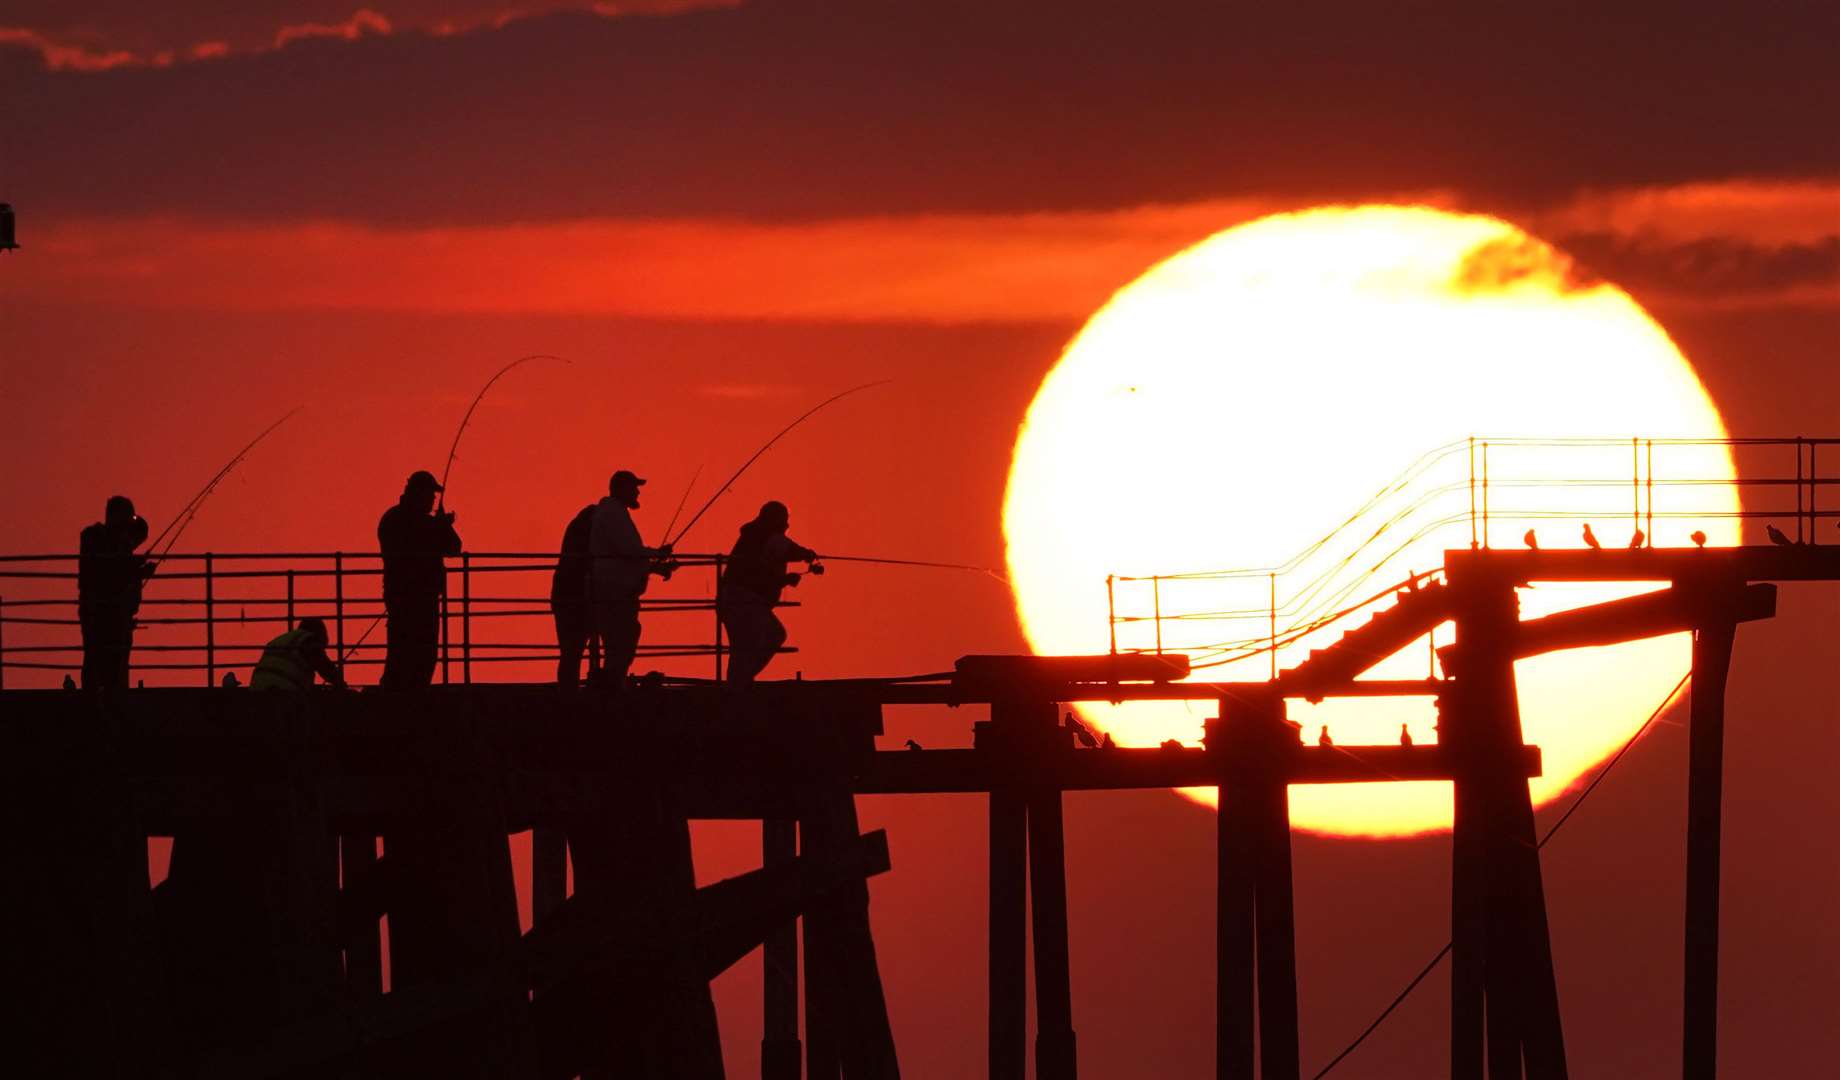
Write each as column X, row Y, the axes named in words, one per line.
column 621, row 567
column 291, row 660
column 415, row 540
column 109, row 580
column 750, row 588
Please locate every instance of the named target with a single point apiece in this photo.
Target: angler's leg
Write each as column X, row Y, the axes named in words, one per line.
column 571, row 639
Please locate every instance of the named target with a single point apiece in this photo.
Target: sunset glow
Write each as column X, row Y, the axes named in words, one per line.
column 1239, row 401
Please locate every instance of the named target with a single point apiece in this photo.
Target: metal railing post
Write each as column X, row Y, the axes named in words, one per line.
column 443, row 635
column 1472, row 493
column 210, row 621
column 1156, row 606
column 2, row 643
column 1273, row 625
column 1814, row 488
column 1635, row 483
column 338, row 603
column 466, row 617
column 717, row 593
column 290, row 598
column 1798, row 489
column 1485, row 493
column 1111, row 612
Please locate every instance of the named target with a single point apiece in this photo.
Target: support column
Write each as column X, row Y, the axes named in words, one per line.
column 780, row 1051
column 549, row 870
column 1705, row 783
column 1055, row 1055
column 1234, row 968
column 1275, row 923
column 1008, row 946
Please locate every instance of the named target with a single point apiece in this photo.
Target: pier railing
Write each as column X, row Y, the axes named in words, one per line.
column 1480, row 493
column 204, row 615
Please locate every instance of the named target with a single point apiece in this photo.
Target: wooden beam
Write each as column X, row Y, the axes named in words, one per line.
column 1795, row 562
column 1667, row 611
column 1705, row 795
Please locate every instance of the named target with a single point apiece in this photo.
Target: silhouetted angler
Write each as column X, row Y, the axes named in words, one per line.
column 109, row 580
column 751, row 585
column 291, row 660
column 415, row 542
column 622, row 567
column 568, row 596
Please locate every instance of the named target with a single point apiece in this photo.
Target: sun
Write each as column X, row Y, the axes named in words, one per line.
column 1296, row 397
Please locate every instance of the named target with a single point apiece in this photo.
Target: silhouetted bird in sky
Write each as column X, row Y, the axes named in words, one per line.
column 1590, row 538
column 1638, row 539
column 1776, row 536
column 1531, row 540
column 912, row 745
column 1405, row 735
column 1698, row 538
column 1324, row 739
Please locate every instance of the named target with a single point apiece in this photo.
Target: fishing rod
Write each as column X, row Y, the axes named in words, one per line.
column 998, row 574
column 454, row 449
column 691, row 486
column 768, row 446
column 362, row 638
column 183, row 519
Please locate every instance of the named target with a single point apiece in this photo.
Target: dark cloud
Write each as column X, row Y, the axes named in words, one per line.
column 799, row 108
column 1716, row 267
column 1504, row 263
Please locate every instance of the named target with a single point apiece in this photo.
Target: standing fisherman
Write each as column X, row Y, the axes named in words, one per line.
column 622, row 568
column 415, row 541
column 568, row 596
column 751, row 585
column 109, row 580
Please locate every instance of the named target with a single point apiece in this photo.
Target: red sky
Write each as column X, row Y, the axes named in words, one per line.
column 726, row 212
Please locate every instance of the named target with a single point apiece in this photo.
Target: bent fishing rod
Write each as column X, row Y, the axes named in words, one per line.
column 454, row 449
column 183, row 519
column 673, row 541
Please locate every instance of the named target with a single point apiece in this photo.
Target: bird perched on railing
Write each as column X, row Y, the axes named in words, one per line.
column 1776, row 536
column 1324, row 739
column 1638, row 539
column 1530, row 540
column 1590, row 538
column 912, row 745
column 1698, row 538
column 1405, row 735
column 1082, row 732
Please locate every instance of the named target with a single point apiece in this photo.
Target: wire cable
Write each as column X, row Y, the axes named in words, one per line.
column 1550, row 832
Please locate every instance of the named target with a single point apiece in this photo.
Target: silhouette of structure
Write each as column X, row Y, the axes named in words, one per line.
column 261, row 953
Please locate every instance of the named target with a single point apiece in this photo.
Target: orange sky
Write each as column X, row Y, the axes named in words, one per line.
column 724, row 216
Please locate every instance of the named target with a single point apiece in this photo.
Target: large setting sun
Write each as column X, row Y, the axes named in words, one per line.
column 1242, row 401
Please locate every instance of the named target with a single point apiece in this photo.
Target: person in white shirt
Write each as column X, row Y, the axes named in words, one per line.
column 621, row 568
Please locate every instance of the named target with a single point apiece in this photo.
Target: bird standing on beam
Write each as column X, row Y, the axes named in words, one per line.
column 1530, row 540
column 1638, row 539
column 1698, row 538
column 1590, row 538
column 1776, row 536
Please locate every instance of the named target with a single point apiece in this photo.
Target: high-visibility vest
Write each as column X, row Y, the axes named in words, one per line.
column 283, row 665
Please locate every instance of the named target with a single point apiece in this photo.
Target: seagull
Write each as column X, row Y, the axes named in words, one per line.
column 69, row 683
column 1698, row 538
column 1081, row 732
column 1590, row 538
column 1638, row 539
column 1776, row 536
column 912, row 745
column 1172, row 744
column 1405, row 735
column 1530, row 540
column 1106, row 743
column 1324, row 739
column 231, row 682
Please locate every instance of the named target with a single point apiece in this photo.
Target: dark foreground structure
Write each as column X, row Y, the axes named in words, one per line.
column 260, row 955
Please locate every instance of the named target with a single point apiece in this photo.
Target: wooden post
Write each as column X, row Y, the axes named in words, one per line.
column 364, row 944
column 549, row 870
column 1055, row 1056
column 1712, row 646
column 780, row 1051
column 1275, row 924
column 1008, row 1002
column 1234, row 970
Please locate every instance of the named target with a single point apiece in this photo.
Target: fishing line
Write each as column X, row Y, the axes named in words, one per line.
column 183, row 518
column 454, row 449
column 688, row 488
column 768, row 446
